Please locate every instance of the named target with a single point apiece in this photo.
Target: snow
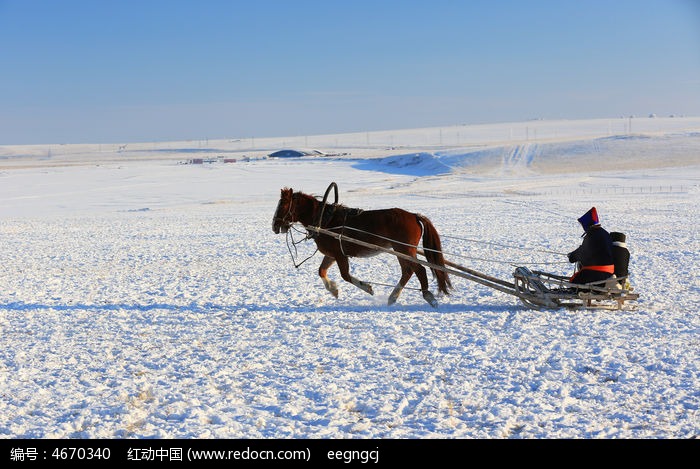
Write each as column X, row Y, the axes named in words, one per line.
column 141, row 297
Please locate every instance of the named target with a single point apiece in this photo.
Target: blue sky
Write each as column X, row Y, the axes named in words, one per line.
column 87, row 71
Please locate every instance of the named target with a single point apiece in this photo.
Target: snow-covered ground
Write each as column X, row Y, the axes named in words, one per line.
column 141, row 297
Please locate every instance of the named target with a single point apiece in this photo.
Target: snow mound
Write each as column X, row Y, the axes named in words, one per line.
column 413, row 164
column 589, row 155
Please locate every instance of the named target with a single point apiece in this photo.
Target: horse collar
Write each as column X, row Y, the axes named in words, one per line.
column 334, row 209
column 328, row 214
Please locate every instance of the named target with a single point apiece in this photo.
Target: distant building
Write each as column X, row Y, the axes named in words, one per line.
column 295, row 153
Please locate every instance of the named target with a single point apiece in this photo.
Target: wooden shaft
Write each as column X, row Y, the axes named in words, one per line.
column 492, row 282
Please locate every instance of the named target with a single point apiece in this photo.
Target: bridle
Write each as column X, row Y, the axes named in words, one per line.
column 285, row 220
column 292, row 243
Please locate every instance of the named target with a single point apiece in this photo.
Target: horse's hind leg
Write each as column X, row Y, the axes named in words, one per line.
column 330, row 285
column 408, row 268
column 424, row 285
column 406, row 273
column 344, row 268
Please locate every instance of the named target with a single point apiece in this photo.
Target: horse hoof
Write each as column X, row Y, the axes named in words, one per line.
column 430, row 299
column 391, row 301
column 370, row 290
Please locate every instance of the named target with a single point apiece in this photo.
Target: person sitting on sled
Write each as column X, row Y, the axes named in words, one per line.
column 595, row 255
column 621, row 255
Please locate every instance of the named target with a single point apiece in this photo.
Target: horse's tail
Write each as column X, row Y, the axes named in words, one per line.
column 433, row 253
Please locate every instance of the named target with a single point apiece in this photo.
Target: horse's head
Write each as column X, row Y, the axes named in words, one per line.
column 285, row 214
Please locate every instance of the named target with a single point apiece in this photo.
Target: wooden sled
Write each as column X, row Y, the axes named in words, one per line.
column 542, row 290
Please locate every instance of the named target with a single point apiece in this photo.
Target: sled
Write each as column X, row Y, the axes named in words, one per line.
column 542, row 290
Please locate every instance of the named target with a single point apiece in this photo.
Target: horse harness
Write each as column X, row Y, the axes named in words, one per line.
column 331, row 210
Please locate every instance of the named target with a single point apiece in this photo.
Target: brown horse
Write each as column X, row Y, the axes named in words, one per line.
column 393, row 228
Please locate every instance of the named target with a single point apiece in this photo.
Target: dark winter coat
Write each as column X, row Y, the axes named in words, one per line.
column 620, row 254
column 595, row 250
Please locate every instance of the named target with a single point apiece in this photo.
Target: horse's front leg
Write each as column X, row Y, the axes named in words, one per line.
column 330, row 285
column 344, row 268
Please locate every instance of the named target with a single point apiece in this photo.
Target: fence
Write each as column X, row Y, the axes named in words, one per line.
column 651, row 189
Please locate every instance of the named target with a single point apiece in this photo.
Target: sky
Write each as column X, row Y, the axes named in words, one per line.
column 80, row 71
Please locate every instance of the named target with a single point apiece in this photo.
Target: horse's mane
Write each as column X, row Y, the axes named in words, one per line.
column 319, row 199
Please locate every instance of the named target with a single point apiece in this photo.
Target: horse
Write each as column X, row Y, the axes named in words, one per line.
column 393, row 228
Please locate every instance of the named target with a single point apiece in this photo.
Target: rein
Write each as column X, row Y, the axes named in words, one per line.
column 293, row 244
